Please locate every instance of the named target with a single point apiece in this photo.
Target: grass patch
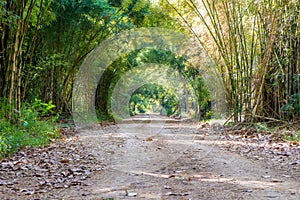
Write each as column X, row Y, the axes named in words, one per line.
column 30, row 130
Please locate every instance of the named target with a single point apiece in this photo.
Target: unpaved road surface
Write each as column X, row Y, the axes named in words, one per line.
column 157, row 158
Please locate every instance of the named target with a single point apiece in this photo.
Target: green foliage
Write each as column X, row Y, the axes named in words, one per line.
column 56, row 36
column 295, row 137
column 208, row 114
column 43, row 108
column 7, row 111
column 204, row 99
column 69, row 30
column 7, row 16
column 136, row 10
column 4, row 108
column 139, row 57
column 102, row 116
column 32, row 131
column 293, row 105
column 153, row 98
column 4, row 147
column 261, row 127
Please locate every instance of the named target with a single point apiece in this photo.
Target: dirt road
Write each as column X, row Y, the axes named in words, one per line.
column 157, row 158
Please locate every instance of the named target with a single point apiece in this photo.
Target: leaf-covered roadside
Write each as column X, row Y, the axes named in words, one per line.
column 272, row 148
column 34, row 171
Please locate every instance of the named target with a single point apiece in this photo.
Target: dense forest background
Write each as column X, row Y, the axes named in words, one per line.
column 254, row 45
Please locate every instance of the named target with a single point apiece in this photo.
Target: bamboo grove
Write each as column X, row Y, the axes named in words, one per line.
column 43, row 43
column 256, row 49
column 253, row 44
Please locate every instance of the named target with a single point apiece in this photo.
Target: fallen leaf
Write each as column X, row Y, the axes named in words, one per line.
column 65, row 160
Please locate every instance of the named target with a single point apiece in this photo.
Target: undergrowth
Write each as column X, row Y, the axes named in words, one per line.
column 33, row 126
column 287, row 132
column 295, row 136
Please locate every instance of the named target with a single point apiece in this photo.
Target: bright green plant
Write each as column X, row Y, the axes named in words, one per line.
column 36, row 111
column 34, row 130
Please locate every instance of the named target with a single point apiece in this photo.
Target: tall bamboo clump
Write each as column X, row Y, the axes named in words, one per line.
column 15, row 20
column 279, row 97
column 11, row 44
column 256, row 50
column 234, row 51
